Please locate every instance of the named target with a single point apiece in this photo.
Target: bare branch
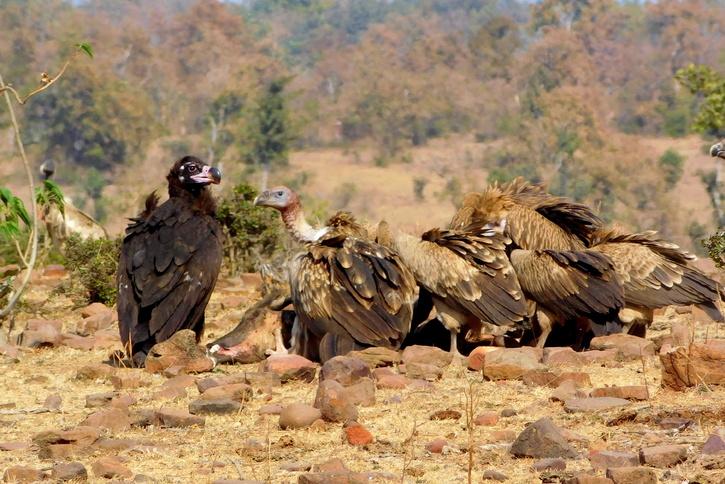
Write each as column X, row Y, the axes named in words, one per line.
column 45, row 85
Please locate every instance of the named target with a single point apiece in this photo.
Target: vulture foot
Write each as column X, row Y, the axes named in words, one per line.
column 279, row 348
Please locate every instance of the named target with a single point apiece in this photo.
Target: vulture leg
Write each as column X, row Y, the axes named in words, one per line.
column 279, row 347
column 545, row 325
column 453, row 326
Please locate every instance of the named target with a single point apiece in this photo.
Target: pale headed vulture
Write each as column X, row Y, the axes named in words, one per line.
column 170, row 260
column 466, row 272
column 346, row 289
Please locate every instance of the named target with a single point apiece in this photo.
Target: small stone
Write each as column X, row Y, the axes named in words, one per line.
column 220, row 406
column 12, row 446
column 447, row 414
column 546, row 378
column 271, row 409
column 95, row 323
column 116, row 444
column 593, row 404
column 549, row 464
column 176, row 417
column 179, row 350
column 297, row 416
column 290, row 367
column 332, row 465
column 542, row 439
column 295, row 467
column 356, row 434
column 508, row 412
column 630, row 392
column 334, row 403
column 512, row 363
column 377, row 356
column 571, row 436
column 566, row 391
column 715, row 443
column 588, row 479
column 494, row 475
column 663, row 455
column 606, row 459
column 110, row 467
column 599, row 356
column 53, row 402
column 69, row 471
column 128, row 381
column 180, row 381
column 170, row 393
column 424, row 371
column 627, row 345
column 395, row 382
column 345, row 370
column 429, row 355
column 477, row 357
column 113, row 419
column 94, row 309
column 204, row 384
column 22, row 474
column 77, row 342
column 240, row 392
column 486, row 418
column 632, row 475
column 565, row 356
column 94, row 372
column 503, row 435
column 436, row 446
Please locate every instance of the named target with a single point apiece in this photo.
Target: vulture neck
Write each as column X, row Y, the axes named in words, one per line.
column 294, row 219
column 199, row 198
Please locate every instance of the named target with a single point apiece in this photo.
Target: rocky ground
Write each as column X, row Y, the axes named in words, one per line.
column 630, row 411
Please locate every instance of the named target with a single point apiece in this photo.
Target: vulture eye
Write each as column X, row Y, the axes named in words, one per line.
column 279, row 194
column 193, row 169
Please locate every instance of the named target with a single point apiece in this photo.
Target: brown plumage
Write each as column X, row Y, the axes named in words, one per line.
column 466, row 272
column 169, row 263
column 344, row 284
column 655, row 273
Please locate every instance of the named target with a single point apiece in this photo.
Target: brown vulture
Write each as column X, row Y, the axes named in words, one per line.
column 466, row 272
column 718, row 150
column 347, row 290
column 655, row 273
column 549, row 253
column 170, row 260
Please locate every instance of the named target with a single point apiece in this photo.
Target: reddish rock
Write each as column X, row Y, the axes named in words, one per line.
column 632, row 475
column 69, row 471
column 22, row 474
column 424, row 371
column 240, row 392
column 486, row 418
column 290, row 367
column 297, row 416
column 179, row 350
column 92, row 324
column 503, row 435
column 631, row 392
column 125, row 381
column 436, row 446
column 699, row 363
column 378, row 373
column 94, row 309
column 566, row 391
column 53, row 402
column 219, row 406
column 180, row 381
column 546, row 378
column 110, row 467
column 377, row 356
column 681, row 333
column 593, row 404
column 113, row 419
column 429, row 355
column 542, row 439
column 627, row 346
column 356, row 434
column 54, row 271
column 605, row 459
column 176, row 417
column 12, row 446
column 396, row 382
column 170, row 393
column 512, row 363
column 61, row 444
column 345, row 370
column 599, row 356
column 549, row 464
column 715, row 443
column 588, row 479
column 40, row 333
column 94, row 372
column 77, row 342
column 663, row 455
column 477, row 357
column 562, row 357
column 571, row 436
column 361, row 393
column 205, row 384
column 334, row 403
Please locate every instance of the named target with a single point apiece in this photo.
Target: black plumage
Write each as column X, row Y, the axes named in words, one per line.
column 170, row 259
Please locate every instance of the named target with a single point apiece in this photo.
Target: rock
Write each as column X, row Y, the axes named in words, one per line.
column 542, row 439
column 486, row 418
column 334, row 403
column 606, row 459
column 290, row 367
column 447, row 414
column 571, row 436
column 699, row 363
column 53, row 402
column 436, row 446
column 205, row 384
column 56, row 444
column 77, row 342
column 69, row 471
column 116, row 445
column 176, row 417
column 240, row 392
column 396, row 382
column 92, row 324
column 503, row 435
column 512, row 363
column 179, row 350
column 377, row 356
column 114, row 399
column 429, row 355
column 424, row 371
column 22, row 474
column 565, row 356
column 9, row 350
column 587, row 479
column 566, row 391
column 593, row 404
column 632, row 475
column 715, row 443
column 297, row 416
column 356, row 434
column 630, row 392
column 554, row 379
column 219, row 406
column 110, row 467
column 627, row 346
column 477, row 357
column 680, row 333
column 94, row 372
column 126, row 381
column 180, row 381
column 346, row 477
column 113, row 419
column 362, row 392
column 599, row 356
column 345, row 370
column 549, row 464
column 509, row 412
column 494, row 475
column 170, row 393
column 12, row 446
column 40, row 333
column 332, row 465
column 663, row 455
column 94, row 309
column 271, row 409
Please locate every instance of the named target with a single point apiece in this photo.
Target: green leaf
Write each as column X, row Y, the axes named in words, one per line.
column 86, row 48
column 50, row 194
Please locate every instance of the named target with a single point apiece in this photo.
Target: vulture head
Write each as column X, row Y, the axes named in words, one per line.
column 47, row 169
column 280, row 198
column 718, row 149
column 190, row 174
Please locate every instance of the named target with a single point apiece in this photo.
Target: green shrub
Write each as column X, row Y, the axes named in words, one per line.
column 671, row 163
column 92, row 264
column 715, row 246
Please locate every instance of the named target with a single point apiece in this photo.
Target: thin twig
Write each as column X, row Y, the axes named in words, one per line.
column 4, row 88
column 20, row 252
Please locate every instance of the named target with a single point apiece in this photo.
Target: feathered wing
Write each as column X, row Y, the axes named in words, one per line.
column 167, row 270
column 570, row 284
column 355, row 288
column 655, row 272
column 469, row 270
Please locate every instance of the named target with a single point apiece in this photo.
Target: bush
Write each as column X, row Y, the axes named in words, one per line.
column 253, row 234
column 715, row 246
column 671, row 163
column 93, row 264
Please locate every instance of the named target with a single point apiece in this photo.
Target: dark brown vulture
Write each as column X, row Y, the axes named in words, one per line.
column 549, row 252
column 467, row 273
column 655, row 273
column 346, row 289
column 170, row 260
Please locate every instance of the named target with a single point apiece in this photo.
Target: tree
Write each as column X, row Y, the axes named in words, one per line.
column 671, row 163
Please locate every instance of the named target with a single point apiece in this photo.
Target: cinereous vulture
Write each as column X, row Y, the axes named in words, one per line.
column 170, row 260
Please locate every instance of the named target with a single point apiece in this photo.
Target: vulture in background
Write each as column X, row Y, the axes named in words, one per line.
column 718, row 150
column 170, row 259
column 655, row 273
column 467, row 274
column 348, row 291
column 549, row 253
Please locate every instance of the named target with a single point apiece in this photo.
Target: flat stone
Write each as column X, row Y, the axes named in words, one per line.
column 663, row 455
column 127, row 381
column 176, row 417
column 627, row 345
column 584, row 478
column 447, row 414
column 113, row 419
column 424, row 371
column 563, row 356
column 632, row 475
column 566, row 391
column 429, row 355
column 116, row 444
column 334, row 403
column 503, row 435
column 494, row 475
column 715, row 443
column 345, row 370
column 69, row 471
column 170, row 393
column 395, row 382
column 377, row 356
column 297, row 416
column 486, row 418
column 12, row 446
column 593, row 404
column 240, row 392
column 542, row 439
column 629, row 392
column 552, row 379
column 220, row 406
column 180, row 381
column 22, row 474
column 110, row 467
column 204, row 384
column 606, row 459
column 549, row 464
column 599, row 356
column 53, row 402
column 512, row 363
column 94, row 309
column 290, row 367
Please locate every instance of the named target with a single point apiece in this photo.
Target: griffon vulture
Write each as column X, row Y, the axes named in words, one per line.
column 346, row 289
column 170, row 260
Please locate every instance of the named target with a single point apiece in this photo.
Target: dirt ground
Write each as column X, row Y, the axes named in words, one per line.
column 248, row 445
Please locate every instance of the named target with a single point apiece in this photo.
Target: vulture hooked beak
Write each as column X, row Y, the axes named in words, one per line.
column 208, row 175
column 261, row 198
column 718, row 150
